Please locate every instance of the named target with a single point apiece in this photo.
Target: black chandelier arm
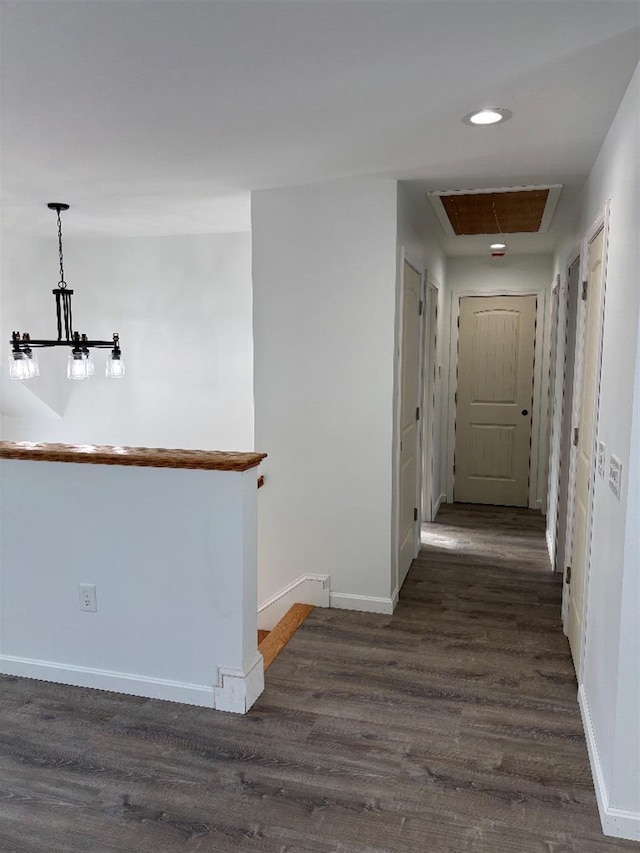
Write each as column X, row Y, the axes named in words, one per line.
column 82, row 344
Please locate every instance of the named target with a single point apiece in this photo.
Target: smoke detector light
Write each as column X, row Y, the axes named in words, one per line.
column 487, row 116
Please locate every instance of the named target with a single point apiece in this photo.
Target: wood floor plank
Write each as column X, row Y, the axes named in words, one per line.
column 451, row 726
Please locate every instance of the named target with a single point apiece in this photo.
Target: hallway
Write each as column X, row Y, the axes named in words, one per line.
column 451, row 726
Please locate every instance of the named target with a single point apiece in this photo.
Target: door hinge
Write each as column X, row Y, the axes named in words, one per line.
column 458, row 322
column 415, row 513
column 576, row 433
column 567, row 575
column 421, row 307
column 418, row 413
column 585, row 287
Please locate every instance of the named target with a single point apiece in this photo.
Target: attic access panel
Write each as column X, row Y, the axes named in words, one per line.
column 511, row 210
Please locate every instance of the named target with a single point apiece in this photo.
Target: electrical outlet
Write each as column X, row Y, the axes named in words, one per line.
column 601, row 458
column 87, row 597
column 615, row 475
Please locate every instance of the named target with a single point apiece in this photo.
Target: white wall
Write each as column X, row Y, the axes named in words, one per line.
column 324, row 274
column 173, row 556
column 511, row 274
column 182, row 306
column 416, row 232
column 610, row 669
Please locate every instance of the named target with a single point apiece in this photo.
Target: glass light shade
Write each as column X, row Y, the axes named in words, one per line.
column 78, row 366
column 114, row 367
column 91, row 367
column 21, row 367
column 34, row 367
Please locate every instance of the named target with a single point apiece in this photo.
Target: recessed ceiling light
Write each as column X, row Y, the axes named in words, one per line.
column 498, row 245
column 489, row 115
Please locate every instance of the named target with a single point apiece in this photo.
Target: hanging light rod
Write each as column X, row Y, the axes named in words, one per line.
column 23, row 363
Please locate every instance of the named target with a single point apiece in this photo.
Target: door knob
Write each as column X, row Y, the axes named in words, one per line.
column 525, row 411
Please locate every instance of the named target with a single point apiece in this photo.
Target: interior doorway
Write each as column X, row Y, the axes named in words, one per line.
column 410, row 403
column 570, row 327
column 494, row 399
column 584, row 431
column 429, row 421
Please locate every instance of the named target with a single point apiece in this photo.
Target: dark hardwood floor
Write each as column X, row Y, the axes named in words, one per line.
column 451, row 726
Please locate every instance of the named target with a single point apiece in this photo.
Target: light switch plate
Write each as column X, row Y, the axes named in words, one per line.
column 615, row 475
column 601, row 458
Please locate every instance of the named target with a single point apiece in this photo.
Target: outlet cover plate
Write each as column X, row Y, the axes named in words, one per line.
column 87, row 597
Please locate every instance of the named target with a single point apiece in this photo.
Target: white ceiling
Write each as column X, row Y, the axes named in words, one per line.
column 159, row 117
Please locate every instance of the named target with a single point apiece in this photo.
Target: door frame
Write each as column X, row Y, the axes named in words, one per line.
column 564, row 407
column 430, row 403
column 601, row 223
column 555, row 315
column 539, row 383
column 405, row 256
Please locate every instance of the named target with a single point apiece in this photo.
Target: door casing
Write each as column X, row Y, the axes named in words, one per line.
column 406, row 257
column 560, row 439
column 430, row 404
column 601, row 223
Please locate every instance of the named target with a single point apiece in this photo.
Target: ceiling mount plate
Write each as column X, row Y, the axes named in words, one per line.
column 57, row 205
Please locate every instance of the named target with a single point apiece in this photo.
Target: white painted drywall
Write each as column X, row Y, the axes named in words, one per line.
column 610, row 669
column 510, row 274
column 416, row 229
column 172, row 554
column 182, row 306
column 625, row 776
column 324, row 275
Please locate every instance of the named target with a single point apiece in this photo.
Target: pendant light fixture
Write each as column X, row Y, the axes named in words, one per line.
column 23, row 363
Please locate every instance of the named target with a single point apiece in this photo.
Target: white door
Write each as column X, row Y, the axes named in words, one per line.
column 494, row 399
column 409, row 418
column 585, row 430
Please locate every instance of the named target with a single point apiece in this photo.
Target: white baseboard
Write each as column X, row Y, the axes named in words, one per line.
column 616, row 823
column 365, row 603
column 103, row 679
column 549, row 539
column 237, row 691
column 441, row 500
column 306, row 589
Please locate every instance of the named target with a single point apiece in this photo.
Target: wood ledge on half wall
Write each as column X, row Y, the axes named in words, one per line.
column 142, row 457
